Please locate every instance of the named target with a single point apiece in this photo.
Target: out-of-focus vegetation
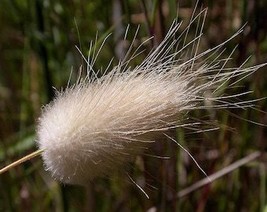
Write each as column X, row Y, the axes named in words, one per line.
column 37, row 53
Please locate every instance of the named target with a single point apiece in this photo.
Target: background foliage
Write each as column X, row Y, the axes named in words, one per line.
column 37, row 53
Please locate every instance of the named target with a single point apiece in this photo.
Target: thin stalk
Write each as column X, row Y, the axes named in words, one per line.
column 21, row 160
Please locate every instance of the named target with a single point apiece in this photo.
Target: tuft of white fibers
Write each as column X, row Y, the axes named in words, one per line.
column 99, row 124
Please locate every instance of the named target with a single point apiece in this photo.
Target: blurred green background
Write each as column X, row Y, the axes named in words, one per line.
column 37, row 53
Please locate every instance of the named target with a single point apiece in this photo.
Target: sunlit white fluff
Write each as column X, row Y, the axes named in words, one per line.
column 99, row 124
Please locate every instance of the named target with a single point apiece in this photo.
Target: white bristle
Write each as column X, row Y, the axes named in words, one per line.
column 99, row 124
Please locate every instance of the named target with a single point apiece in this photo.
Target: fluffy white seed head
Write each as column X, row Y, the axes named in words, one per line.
column 99, row 124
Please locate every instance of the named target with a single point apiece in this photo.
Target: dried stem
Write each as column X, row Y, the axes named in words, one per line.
column 218, row 174
column 21, row 160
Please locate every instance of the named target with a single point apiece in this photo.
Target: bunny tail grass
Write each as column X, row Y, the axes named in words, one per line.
column 100, row 123
column 21, row 160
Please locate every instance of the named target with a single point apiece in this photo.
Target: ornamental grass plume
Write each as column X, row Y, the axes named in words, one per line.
column 100, row 123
